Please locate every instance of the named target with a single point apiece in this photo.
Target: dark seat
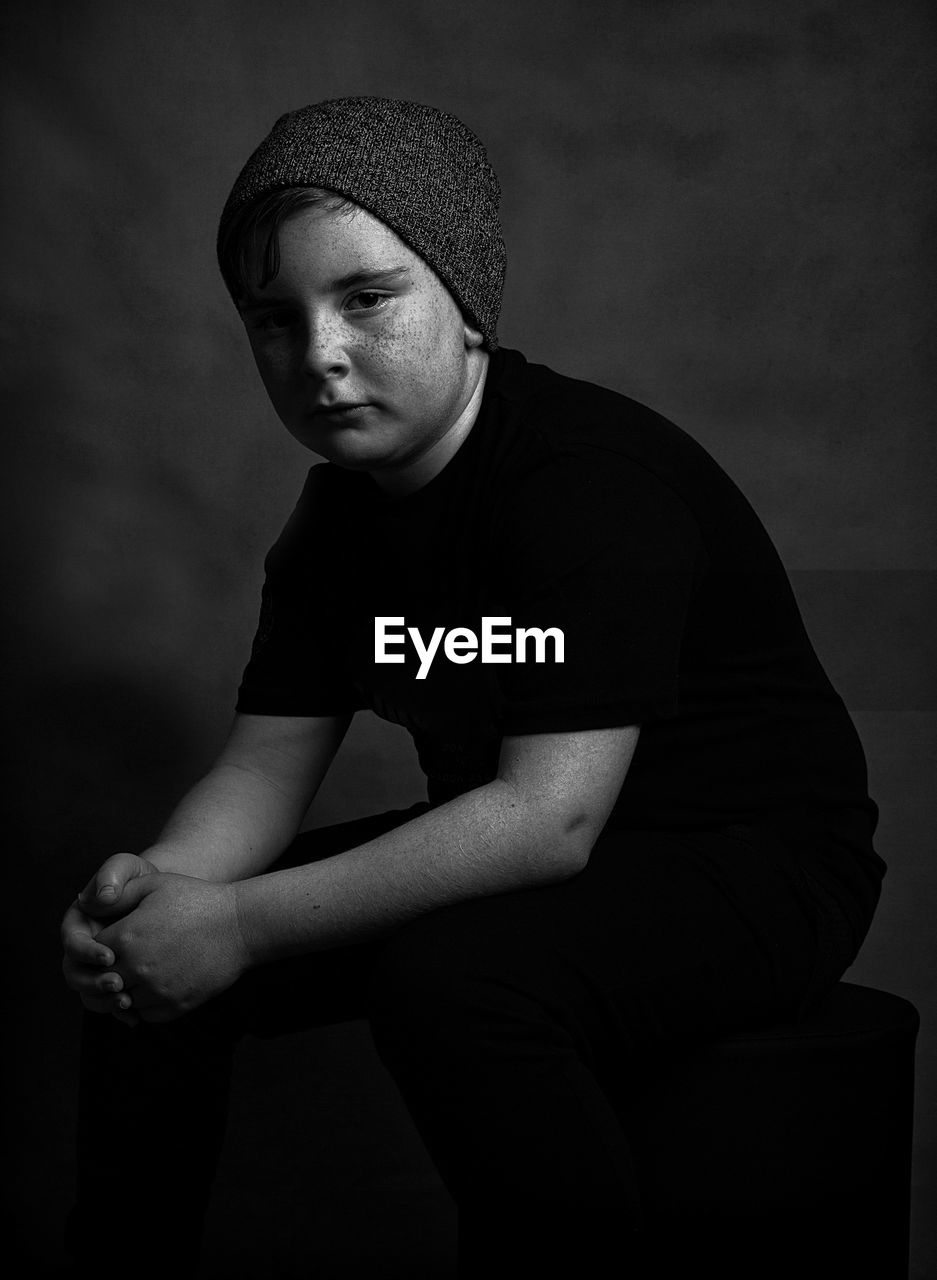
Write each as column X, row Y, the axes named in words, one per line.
column 784, row 1150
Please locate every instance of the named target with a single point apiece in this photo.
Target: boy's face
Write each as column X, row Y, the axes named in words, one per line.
column 363, row 351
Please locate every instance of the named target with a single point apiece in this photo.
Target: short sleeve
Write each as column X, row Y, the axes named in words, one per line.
column 600, row 549
column 296, row 663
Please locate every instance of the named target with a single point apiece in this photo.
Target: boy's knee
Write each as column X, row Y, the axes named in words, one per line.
column 441, row 990
column 435, row 960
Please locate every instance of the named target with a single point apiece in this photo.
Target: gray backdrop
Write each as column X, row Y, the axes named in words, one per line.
column 719, row 208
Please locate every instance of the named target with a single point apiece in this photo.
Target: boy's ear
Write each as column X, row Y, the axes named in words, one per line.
column 472, row 337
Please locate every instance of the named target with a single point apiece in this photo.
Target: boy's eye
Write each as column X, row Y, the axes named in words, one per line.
column 367, row 300
column 269, row 320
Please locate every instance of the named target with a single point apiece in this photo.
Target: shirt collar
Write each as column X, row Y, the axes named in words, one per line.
column 507, row 374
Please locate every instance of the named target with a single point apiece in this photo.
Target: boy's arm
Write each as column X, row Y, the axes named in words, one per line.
column 237, row 819
column 231, row 824
column 534, row 824
column 242, row 815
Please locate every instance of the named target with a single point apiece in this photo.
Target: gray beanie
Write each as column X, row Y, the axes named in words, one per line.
column 417, row 169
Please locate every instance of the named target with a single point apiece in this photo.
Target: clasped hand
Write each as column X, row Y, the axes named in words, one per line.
column 147, row 944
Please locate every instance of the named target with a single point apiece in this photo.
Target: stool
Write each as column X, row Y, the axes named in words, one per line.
column 783, row 1151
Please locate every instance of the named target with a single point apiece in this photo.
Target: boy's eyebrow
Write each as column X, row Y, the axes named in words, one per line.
column 366, row 275
column 369, row 276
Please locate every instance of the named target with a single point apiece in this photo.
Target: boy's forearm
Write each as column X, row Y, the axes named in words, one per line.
column 230, row 825
column 487, row 841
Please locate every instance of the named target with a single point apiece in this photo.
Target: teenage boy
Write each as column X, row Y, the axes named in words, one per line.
column 647, row 817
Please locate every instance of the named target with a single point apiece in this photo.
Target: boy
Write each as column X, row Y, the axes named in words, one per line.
column 647, row 814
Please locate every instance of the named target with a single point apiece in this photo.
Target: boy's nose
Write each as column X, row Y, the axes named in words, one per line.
column 324, row 352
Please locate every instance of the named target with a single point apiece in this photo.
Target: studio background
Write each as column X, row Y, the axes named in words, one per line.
column 717, row 208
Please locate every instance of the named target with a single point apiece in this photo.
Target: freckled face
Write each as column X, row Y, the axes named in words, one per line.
column 363, row 351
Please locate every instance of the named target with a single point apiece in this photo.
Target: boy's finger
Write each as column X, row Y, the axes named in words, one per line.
column 106, row 885
column 78, row 933
column 81, row 947
column 87, row 979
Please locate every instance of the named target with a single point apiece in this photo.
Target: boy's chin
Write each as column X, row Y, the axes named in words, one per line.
column 351, row 458
column 345, row 451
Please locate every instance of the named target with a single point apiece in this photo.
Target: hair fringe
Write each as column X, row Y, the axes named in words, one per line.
column 249, row 249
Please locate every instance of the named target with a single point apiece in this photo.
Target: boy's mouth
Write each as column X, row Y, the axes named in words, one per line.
column 338, row 409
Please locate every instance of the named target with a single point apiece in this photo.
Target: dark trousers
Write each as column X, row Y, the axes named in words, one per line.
column 511, row 1024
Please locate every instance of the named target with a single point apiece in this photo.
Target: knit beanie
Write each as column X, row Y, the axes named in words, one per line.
column 417, row 169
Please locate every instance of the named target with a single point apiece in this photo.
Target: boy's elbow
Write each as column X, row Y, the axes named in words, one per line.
column 580, row 837
column 556, row 837
column 565, row 852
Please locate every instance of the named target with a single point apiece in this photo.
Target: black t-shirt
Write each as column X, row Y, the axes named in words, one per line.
column 572, row 507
